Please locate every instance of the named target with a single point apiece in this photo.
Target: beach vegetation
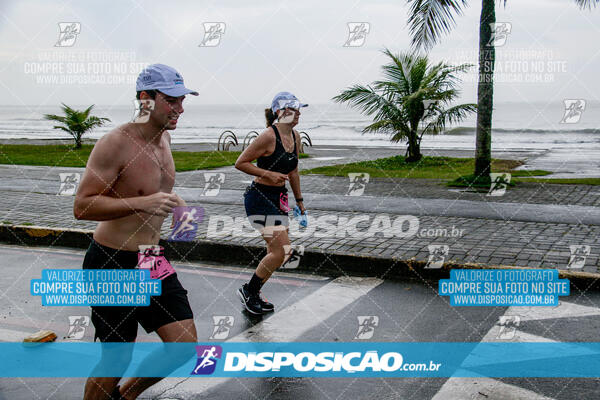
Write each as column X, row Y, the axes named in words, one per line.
column 428, row 21
column 76, row 122
column 412, row 100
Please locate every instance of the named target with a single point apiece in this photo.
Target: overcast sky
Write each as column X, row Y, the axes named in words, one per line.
column 269, row 46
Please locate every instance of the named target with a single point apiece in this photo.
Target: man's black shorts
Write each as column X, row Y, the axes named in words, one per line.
column 119, row 324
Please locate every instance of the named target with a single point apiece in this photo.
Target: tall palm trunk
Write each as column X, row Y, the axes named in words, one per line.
column 78, row 140
column 414, row 148
column 485, row 91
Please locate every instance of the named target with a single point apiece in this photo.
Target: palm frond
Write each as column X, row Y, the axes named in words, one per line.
column 52, row 117
column 583, row 4
column 366, row 99
column 448, row 116
column 63, row 128
column 430, row 19
column 76, row 122
column 412, row 93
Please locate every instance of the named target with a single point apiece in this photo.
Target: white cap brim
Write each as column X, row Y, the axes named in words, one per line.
column 178, row 91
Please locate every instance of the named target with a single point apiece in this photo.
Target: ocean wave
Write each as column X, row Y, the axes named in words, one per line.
column 468, row 130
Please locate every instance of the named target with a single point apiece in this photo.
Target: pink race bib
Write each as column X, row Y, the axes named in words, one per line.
column 283, row 202
column 152, row 258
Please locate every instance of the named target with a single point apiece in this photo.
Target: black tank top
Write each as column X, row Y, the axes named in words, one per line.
column 280, row 160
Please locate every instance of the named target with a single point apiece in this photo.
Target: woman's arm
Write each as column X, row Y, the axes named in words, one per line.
column 258, row 148
column 295, row 177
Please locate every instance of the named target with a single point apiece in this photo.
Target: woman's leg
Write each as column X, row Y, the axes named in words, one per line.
column 277, row 241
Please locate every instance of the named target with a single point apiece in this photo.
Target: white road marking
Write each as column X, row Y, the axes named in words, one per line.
column 564, row 310
column 490, row 389
column 483, row 388
column 11, row 335
column 286, row 325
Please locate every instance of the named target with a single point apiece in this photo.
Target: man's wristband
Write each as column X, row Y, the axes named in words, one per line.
column 299, row 200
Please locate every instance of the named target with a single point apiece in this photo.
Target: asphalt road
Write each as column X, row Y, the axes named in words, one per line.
column 308, row 308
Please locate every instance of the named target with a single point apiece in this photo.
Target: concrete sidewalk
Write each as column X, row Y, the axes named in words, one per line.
column 532, row 225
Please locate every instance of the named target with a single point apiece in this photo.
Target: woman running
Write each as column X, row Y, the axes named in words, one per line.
column 266, row 199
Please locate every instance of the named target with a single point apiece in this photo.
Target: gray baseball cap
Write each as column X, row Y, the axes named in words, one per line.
column 164, row 79
column 284, row 100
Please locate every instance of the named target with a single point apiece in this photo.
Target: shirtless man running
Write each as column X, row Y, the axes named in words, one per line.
column 127, row 187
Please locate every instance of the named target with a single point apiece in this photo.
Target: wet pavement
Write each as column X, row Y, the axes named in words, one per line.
column 308, row 308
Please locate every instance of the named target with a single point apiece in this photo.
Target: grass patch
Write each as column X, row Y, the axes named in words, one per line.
column 66, row 156
column 530, row 173
column 446, row 168
column 51, row 155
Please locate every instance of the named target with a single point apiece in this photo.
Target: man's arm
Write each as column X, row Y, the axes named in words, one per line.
column 96, row 200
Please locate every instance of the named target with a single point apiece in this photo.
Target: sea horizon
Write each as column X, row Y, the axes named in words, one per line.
column 516, row 125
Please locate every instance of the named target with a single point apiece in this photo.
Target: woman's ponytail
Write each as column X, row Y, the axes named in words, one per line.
column 270, row 117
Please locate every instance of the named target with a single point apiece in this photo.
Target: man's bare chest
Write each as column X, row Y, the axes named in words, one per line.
column 146, row 173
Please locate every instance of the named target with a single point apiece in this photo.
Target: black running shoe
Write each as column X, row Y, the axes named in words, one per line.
column 251, row 301
column 266, row 306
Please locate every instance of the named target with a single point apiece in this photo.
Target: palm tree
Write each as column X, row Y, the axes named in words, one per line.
column 76, row 122
column 428, row 20
column 411, row 101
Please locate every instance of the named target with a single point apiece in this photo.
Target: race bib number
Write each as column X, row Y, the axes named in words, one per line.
column 283, row 202
column 152, row 258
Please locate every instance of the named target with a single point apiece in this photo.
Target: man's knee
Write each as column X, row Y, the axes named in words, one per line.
column 99, row 388
column 179, row 331
column 115, row 359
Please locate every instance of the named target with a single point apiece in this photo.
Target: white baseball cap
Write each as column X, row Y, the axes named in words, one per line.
column 163, row 78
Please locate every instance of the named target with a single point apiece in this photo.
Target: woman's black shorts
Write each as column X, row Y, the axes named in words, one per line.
column 266, row 205
column 119, row 324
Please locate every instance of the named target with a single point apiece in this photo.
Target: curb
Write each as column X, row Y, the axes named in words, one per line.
column 313, row 261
